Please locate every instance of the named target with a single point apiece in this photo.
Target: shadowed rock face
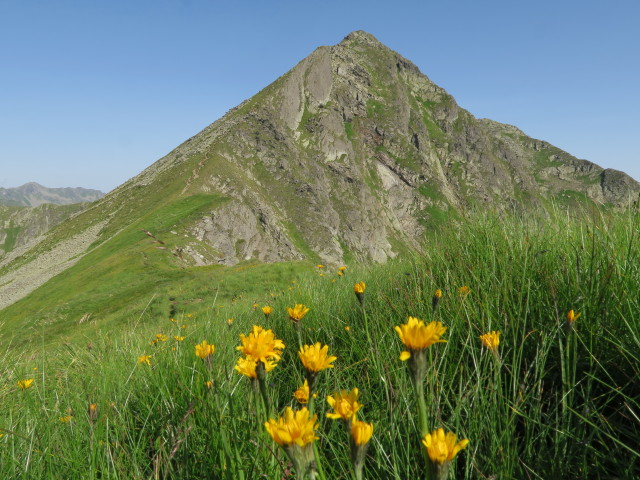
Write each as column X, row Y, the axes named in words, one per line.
column 351, row 155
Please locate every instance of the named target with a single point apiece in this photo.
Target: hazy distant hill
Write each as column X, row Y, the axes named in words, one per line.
column 33, row 194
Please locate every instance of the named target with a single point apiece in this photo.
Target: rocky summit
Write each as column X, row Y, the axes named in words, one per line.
column 354, row 153
column 351, row 155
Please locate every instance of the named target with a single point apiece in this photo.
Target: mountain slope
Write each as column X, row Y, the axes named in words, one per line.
column 33, row 194
column 352, row 155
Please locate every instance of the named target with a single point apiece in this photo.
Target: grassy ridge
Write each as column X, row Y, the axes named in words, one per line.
column 560, row 402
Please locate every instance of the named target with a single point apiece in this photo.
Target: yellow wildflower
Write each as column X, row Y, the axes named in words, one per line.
column 302, row 393
column 247, row 366
column 342, row 269
column 208, row 384
column 204, row 349
column 345, row 405
column 361, row 432
column 442, row 448
column 464, row 291
column 417, row 336
column 572, row 316
column 319, row 266
column 178, row 338
column 229, row 321
column 315, row 358
column 296, row 313
column 65, row 419
column 267, row 310
column 437, row 296
column 145, row 359
column 491, row 340
column 161, row 337
column 261, row 345
column 358, row 289
column 295, row 427
column 24, row 384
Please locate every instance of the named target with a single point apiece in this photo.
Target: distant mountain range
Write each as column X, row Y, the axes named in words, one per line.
column 33, row 194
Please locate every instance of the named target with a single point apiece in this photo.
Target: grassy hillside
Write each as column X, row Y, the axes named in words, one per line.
column 555, row 400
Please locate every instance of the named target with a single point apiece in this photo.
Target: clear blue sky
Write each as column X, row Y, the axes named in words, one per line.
column 92, row 92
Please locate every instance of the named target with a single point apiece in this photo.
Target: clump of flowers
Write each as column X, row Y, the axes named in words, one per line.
column 298, row 312
column 261, row 350
column 442, row 449
column 295, row 433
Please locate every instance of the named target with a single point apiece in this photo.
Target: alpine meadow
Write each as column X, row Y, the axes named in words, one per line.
column 347, row 276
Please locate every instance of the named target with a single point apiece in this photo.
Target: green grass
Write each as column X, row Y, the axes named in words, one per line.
column 558, row 402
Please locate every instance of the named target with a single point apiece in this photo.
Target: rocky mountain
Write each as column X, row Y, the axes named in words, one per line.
column 21, row 225
column 33, row 194
column 351, row 155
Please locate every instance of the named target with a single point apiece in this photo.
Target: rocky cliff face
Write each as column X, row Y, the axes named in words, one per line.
column 22, row 225
column 354, row 153
column 33, row 194
column 351, row 155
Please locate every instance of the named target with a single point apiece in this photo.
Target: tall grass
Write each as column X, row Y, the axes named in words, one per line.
column 558, row 401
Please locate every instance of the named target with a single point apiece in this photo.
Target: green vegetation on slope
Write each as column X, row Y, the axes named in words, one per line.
column 558, row 401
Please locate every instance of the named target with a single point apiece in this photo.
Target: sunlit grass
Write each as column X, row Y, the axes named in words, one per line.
column 539, row 371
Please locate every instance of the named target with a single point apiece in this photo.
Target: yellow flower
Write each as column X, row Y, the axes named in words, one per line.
column 342, row 269
column 229, row 321
column 417, row 336
column 315, row 358
column 302, row 393
column 319, row 266
column 361, row 432
column 24, row 384
column 295, row 427
column 347, row 328
column 178, row 338
column 572, row 316
column 145, row 359
column 442, row 448
column 173, row 320
column 491, row 340
column 255, row 305
column 358, row 288
column 261, row 345
column 464, row 291
column 161, row 337
column 296, row 313
column 345, row 405
column 267, row 310
column 339, row 273
column 208, row 384
column 247, row 366
column 204, row 349
column 65, row 419
column 436, row 298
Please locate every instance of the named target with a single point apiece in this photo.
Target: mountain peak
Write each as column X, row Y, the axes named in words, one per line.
column 360, row 35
